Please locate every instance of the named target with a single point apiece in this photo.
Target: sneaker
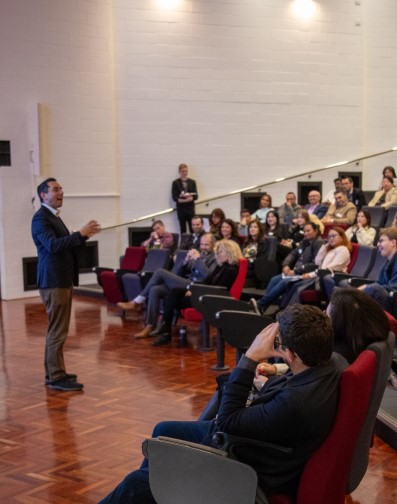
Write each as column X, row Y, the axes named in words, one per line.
column 69, row 377
column 254, row 305
column 65, row 385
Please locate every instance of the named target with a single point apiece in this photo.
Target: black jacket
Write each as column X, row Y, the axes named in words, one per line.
column 308, row 249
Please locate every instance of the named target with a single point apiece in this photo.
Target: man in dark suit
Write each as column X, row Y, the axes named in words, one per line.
column 295, row 410
column 315, row 207
column 354, row 195
column 192, row 241
column 57, row 272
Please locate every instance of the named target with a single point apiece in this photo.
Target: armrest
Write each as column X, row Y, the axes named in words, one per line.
column 338, row 277
column 228, row 443
column 199, row 290
column 356, row 281
column 196, row 446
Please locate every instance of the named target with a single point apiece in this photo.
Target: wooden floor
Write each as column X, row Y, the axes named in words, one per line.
column 73, row 447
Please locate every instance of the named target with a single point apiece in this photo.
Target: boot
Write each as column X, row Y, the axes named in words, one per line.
column 145, row 333
column 160, row 329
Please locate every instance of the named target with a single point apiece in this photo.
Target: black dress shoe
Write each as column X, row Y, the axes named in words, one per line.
column 394, row 366
column 164, row 339
column 69, row 377
column 160, row 329
column 65, row 385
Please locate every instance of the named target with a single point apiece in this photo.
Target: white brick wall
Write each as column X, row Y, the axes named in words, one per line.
column 241, row 90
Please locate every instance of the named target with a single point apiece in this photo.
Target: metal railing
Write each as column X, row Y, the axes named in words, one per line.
column 206, row 201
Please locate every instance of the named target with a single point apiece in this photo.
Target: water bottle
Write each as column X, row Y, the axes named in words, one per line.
column 182, row 336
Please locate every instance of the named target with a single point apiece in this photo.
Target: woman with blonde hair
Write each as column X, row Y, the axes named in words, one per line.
column 228, row 255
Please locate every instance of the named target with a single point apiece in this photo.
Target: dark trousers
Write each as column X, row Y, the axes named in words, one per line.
column 58, row 304
column 176, row 300
column 185, row 215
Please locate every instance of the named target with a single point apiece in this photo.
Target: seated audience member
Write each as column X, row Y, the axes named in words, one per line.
column 329, row 198
column 387, row 196
column 295, row 235
column 300, row 260
column 216, row 218
column 245, row 219
column 341, row 212
column 227, row 254
column 314, row 207
column 357, row 321
column 272, row 226
column 333, row 256
column 354, row 195
column 386, row 283
column 296, row 410
column 193, row 240
column 198, row 266
column 159, row 237
column 254, row 247
column 229, row 231
column 362, row 232
column 286, row 211
column 389, row 171
column 255, row 244
column 265, row 204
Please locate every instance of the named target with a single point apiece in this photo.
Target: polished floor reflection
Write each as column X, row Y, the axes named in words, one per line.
column 73, row 447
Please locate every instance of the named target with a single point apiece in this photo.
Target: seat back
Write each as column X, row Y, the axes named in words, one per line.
column 325, row 476
column 133, row 258
column 210, row 305
column 237, row 287
column 353, row 256
column 378, row 215
column 383, row 351
column 390, row 216
column 376, row 266
column 364, row 261
column 111, row 287
column 156, row 259
column 193, row 314
column 185, row 473
column 239, row 328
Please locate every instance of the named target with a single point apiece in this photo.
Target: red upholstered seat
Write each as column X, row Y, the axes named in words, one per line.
column 315, row 297
column 325, row 476
column 192, row 315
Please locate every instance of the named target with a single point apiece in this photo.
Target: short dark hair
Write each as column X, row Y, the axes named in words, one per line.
column 337, row 179
column 357, row 321
column 314, row 226
column 348, row 178
column 195, row 217
column 244, row 210
column 43, row 187
column 157, row 222
column 307, row 331
column 390, row 168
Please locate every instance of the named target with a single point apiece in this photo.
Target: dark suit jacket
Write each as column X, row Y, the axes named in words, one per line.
column 294, row 411
column 308, row 249
column 177, row 188
column 56, row 250
column 320, row 210
column 358, row 198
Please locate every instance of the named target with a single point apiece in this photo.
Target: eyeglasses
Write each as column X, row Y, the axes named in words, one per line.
column 278, row 344
column 332, row 235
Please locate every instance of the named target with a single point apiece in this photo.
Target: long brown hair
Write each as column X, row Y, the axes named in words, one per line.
column 345, row 239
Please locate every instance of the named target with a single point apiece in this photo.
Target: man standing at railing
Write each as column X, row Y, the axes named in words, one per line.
column 57, row 272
